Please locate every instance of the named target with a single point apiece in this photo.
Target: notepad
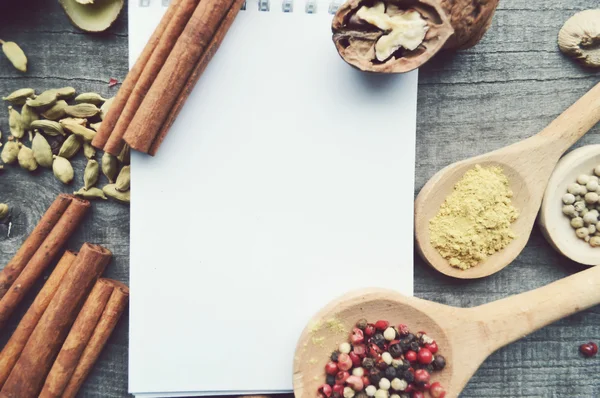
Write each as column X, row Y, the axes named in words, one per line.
column 286, row 181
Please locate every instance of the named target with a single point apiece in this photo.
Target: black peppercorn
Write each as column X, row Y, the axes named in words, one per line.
column 439, row 362
column 405, row 345
column 410, row 337
column 382, row 365
column 395, row 350
column 378, row 340
column 390, row 373
column 361, row 394
column 330, row 379
column 368, row 363
column 375, row 376
column 408, row 376
column 404, row 365
column 335, row 355
column 428, row 368
column 361, row 324
column 415, row 346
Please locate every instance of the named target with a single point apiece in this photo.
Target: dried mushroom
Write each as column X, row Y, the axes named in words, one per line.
column 92, row 16
column 470, row 20
column 390, row 37
column 580, row 37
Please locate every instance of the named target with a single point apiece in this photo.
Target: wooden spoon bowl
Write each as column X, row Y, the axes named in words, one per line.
column 527, row 164
column 465, row 336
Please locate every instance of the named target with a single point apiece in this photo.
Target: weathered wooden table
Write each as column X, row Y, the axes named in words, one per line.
column 505, row 89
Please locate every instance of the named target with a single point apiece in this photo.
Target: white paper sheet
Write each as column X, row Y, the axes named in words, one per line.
column 286, row 181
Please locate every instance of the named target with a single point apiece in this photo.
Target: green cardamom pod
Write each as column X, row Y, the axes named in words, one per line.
column 62, row 169
column 109, row 167
column 91, row 193
column 83, row 132
column 10, row 152
column 88, row 150
column 95, row 126
column 3, row 210
column 43, row 101
column 124, row 155
column 111, row 191
column 56, row 112
column 19, row 96
column 82, row 110
column 124, row 179
column 48, row 126
column 70, row 147
column 15, row 55
column 75, row 120
column 26, row 159
column 105, row 107
column 90, row 98
column 90, row 174
column 63, row 93
column 28, row 115
column 15, row 123
column 42, row 152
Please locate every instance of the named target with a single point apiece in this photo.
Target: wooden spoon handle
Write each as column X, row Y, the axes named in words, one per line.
column 507, row 320
column 573, row 123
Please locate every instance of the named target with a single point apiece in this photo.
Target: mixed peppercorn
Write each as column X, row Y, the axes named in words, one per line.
column 383, row 361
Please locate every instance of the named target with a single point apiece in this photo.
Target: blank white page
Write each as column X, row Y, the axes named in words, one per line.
column 286, row 181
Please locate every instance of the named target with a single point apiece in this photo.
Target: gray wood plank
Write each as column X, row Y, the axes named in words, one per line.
column 507, row 88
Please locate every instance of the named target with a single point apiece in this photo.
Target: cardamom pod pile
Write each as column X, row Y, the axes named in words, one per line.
column 52, row 127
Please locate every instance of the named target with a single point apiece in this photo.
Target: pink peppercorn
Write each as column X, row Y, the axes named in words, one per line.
column 355, row 383
column 403, row 330
column 344, row 362
column 339, row 388
column 437, row 391
column 331, row 368
column 370, row 330
column 354, row 358
column 589, row 350
column 360, row 350
column 374, row 351
column 424, row 356
column 418, row 394
column 410, row 356
column 381, row 325
column 366, row 381
column 433, row 347
column 357, row 336
column 421, row 377
column 341, row 377
column 325, row 391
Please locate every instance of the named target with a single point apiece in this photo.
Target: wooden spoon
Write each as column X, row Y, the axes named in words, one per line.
column 527, row 164
column 465, row 336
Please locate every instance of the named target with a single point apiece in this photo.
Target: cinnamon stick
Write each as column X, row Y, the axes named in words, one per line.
column 196, row 73
column 78, row 338
column 110, row 119
column 181, row 15
column 114, row 309
column 12, row 350
column 55, row 240
column 13, row 269
column 175, row 73
column 32, row 367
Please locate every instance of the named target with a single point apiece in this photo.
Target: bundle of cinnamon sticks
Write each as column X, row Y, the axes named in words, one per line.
column 61, row 335
column 159, row 83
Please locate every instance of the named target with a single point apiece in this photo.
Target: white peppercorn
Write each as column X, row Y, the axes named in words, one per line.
column 590, row 218
column 348, row 392
column 382, row 394
column 389, row 334
column 591, row 197
column 344, row 348
column 387, row 358
column 371, row 390
column 595, row 241
column 577, row 222
column 394, row 396
column 384, row 384
column 568, row 210
column 592, row 229
column 399, row 384
column 360, row 372
column 583, row 179
column 574, row 188
column 568, row 199
column 592, row 186
column 579, row 206
column 582, row 233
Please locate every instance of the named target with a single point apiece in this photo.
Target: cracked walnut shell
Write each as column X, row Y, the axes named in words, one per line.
column 394, row 36
column 470, row 20
column 580, row 37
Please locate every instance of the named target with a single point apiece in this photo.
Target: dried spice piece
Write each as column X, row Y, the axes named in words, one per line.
column 111, row 191
column 92, row 18
column 106, row 107
column 83, row 132
column 91, row 174
column 74, row 120
column 49, row 127
column 124, row 179
column 70, row 147
column 125, row 155
column 83, row 110
column 15, row 55
column 580, row 37
column 42, row 152
column 88, row 150
column 10, row 151
column 110, row 167
column 112, row 82
column 390, row 37
column 3, row 210
column 91, row 193
column 43, row 101
column 62, row 169
column 64, row 92
column 470, row 20
column 15, row 123
column 90, row 98
column 56, row 112
column 28, row 115
column 26, row 158
column 19, row 96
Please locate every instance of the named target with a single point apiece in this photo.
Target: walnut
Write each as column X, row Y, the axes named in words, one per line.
column 470, row 20
column 580, row 37
column 394, row 36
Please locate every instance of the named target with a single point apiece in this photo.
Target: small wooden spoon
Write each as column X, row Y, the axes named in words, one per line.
column 466, row 336
column 527, row 164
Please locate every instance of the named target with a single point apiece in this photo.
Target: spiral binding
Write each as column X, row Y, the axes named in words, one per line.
column 310, row 6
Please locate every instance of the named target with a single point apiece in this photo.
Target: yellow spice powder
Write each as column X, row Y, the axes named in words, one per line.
column 474, row 221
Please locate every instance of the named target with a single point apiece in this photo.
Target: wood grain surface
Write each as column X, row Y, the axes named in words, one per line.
column 507, row 88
